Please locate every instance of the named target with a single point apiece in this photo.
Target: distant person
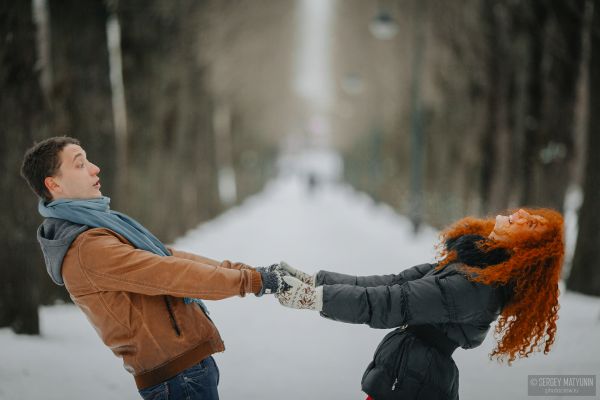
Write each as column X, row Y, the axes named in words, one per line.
column 506, row 269
column 142, row 297
column 312, row 182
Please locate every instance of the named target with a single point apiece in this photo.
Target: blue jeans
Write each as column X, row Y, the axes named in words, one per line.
column 195, row 383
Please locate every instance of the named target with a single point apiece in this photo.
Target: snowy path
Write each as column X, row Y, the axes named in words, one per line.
column 278, row 353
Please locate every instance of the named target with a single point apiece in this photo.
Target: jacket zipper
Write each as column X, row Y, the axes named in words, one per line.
column 399, row 369
column 172, row 316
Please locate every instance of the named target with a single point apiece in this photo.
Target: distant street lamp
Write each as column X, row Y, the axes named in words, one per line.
column 383, row 26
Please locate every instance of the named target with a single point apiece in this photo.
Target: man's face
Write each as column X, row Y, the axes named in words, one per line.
column 77, row 177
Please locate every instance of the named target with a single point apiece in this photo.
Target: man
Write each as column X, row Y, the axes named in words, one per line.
column 142, row 298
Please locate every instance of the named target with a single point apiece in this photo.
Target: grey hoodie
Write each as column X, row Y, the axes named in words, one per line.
column 55, row 237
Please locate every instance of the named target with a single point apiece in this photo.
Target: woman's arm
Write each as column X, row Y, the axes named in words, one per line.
column 432, row 299
column 333, row 278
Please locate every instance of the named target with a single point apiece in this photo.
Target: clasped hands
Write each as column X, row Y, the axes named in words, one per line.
column 294, row 289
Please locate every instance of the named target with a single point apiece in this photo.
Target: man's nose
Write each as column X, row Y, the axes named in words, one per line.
column 95, row 169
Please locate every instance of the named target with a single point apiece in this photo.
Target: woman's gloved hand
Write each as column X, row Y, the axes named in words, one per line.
column 296, row 273
column 300, row 295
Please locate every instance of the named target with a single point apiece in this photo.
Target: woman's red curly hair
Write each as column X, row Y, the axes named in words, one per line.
column 528, row 320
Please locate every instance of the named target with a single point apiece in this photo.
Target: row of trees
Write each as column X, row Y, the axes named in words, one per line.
column 168, row 98
column 473, row 107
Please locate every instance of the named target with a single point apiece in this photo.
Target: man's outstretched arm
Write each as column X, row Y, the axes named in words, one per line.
column 208, row 261
column 111, row 264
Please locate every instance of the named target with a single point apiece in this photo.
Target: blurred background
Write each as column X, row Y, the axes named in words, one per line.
column 435, row 109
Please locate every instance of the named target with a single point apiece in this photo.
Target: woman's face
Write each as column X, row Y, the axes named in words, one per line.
column 519, row 222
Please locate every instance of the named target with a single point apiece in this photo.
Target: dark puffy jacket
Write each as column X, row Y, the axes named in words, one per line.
column 434, row 313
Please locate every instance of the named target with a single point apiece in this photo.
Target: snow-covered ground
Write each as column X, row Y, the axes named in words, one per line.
column 278, row 353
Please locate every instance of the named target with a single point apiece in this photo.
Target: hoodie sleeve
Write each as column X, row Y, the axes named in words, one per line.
column 111, row 264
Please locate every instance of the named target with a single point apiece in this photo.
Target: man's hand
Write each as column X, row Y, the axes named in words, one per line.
column 272, row 280
column 300, row 295
column 302, row 276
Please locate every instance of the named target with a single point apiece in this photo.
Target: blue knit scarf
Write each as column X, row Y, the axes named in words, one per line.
column 96, row 213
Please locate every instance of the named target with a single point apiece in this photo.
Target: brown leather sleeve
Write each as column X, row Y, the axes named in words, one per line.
column 112, row 264
column 205, row 260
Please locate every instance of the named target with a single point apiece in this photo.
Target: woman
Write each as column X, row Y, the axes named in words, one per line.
column 506, row 269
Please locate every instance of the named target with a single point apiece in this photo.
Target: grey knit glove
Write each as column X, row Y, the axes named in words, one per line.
column 272, row 280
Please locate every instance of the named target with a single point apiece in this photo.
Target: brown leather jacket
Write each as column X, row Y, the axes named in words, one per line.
column 134, row 299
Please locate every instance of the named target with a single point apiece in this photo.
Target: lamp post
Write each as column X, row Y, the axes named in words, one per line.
column 416, row 131
column 384, row 27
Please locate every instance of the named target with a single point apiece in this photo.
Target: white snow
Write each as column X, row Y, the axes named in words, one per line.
column 278, row 353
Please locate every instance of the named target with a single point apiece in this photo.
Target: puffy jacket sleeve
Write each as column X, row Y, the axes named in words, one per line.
column 110, row 264
column 332, row 278
column 429, row 300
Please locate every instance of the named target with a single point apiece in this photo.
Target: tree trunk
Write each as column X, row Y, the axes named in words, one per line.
column 81, row 92
column 169, row 115
column 533, row 27
column 554, row 86
column 23, row 110
column 585, row 274
column 496, row 141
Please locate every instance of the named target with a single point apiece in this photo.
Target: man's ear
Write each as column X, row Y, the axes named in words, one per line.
column 51, row 184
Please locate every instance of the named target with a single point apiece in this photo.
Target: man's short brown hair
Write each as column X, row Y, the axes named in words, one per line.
column 43, row 160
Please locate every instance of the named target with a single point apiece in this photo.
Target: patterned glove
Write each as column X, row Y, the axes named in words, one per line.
column 272, row 280
column 302, row 276
column 300, row 295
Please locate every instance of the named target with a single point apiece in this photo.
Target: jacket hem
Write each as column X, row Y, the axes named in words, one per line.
column 177, row 365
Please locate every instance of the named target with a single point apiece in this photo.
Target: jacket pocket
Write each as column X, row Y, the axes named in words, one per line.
column 172, row 316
